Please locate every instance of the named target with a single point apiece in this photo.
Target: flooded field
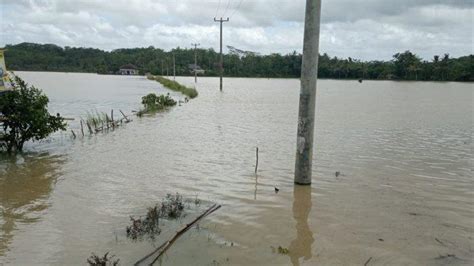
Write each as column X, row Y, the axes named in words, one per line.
column 404, row 195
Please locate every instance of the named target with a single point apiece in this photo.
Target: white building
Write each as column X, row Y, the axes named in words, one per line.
column 128, row 69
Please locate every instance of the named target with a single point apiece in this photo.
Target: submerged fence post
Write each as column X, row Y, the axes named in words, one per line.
column 256, row 163
column 309, row 75
column 82, row 129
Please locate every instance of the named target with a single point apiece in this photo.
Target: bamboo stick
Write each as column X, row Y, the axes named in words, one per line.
column 82, row 129
column 184, row 229
column 126, row 118
column 90, row 128
column 163, row 247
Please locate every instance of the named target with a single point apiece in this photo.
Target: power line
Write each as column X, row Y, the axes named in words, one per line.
column 237, row 8
column 218, row 6
column 221, row 63
column 195, row 61
column 226, row 8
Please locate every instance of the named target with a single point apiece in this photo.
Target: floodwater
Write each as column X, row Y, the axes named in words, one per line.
column 404, row 195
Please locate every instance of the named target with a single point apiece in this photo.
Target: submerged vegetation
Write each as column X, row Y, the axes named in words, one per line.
column 403, row 66
column 175, row 86
column 101, row 121
column 153, row 103
column 25, row 116
column 105, row 260
column 147, row 226
column 171, row 208
column 96, row 119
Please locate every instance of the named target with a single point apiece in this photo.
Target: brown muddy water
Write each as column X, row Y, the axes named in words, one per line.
column 404, row 196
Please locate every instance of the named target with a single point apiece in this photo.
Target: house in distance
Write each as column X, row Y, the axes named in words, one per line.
column 195, row 68
column 128, row 69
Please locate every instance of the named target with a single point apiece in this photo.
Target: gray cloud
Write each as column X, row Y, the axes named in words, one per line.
column 367, row 29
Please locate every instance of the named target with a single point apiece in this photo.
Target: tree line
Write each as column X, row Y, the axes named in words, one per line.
column 237, row 63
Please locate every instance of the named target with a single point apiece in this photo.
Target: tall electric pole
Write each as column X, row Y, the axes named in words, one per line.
column 309, row 76
column 195, row 61
column 221, row 63
column 174, row 67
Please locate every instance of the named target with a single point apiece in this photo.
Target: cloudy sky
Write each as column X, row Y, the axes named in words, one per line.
column 366, row 29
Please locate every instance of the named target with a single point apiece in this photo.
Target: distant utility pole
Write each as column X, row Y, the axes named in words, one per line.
column 221, row 63
column 174, row 67
column 309, row 76
column 162, row 70
column 195, row 61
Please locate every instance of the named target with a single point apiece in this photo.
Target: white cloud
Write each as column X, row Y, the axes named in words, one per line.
column 367, row 29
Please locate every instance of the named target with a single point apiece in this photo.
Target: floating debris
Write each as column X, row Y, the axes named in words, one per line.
column 441, row 257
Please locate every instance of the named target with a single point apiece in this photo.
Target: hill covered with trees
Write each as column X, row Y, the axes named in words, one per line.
column 237, row 63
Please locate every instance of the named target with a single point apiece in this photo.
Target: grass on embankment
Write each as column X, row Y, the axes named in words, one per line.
column 175, row 86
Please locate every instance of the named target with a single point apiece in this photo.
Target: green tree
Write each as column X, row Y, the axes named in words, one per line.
column 26, row 116
column 237, row 63
column 406, row 65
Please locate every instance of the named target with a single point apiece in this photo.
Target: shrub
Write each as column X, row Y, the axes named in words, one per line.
column 152, row 103
column 26, row 117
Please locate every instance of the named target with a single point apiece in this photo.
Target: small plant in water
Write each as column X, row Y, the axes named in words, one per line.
column 171, row 208
column 96, row 119
column 95, row 260
column 148, row 226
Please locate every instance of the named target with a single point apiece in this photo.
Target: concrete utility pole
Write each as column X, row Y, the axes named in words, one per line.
column 162, row 69
column 309, row 75
column 174, row 67
column 221, row 63
column 195, row 61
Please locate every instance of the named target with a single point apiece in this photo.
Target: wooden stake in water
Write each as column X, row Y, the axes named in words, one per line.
column 89, row 127
column 309, row 75
column 124, row 116
column 82, row 129
column 256, row 157
column 112, row 118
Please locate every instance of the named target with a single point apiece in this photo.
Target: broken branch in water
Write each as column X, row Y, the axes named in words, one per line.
column 212, row 209
column 124, row 116
column 165, row 246
column 367, row 262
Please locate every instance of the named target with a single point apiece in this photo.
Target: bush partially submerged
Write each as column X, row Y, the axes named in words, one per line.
column 149, row 225
column 95, row 260
column 153, row 103
column 175, row 86
column 171, row 208
column 26, row 117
